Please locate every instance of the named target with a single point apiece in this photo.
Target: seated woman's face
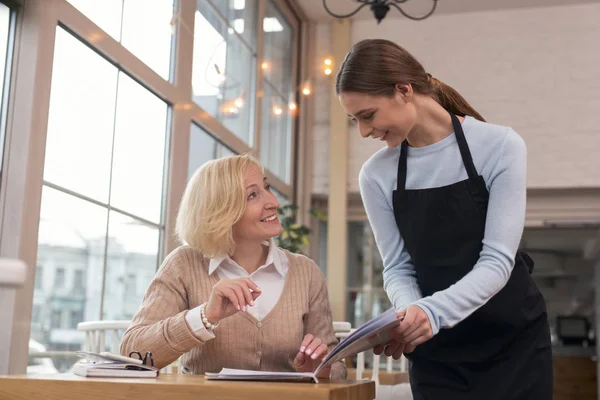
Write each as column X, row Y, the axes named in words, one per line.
column 260, row 221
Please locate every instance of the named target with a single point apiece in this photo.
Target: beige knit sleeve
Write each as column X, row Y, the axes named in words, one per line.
column 160, row 326
column 319, row 321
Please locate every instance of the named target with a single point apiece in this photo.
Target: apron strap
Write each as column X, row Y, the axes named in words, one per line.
column 401, row 184
column 463, row 147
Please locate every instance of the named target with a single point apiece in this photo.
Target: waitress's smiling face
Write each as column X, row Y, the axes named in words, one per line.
column 387, row 118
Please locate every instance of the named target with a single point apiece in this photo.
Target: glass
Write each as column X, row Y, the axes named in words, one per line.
column 203, row 148
column 139, row 151
column 80, row 119
column 241, row 15
column 5, row 27
column 107, row 14
column 143, row 27
column 71, row 238
column 223, row 80
column 147, row 32
column 132, row 251
column 276, row 134
column 278, row 51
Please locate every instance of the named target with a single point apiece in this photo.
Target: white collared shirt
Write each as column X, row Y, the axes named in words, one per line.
column 270, row 278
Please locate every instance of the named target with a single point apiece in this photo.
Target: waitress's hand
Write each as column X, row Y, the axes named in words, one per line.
column 230, row 296
column 414, row 328
column 312, row 351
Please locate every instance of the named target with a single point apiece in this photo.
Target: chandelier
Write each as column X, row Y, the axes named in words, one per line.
column 380, row 9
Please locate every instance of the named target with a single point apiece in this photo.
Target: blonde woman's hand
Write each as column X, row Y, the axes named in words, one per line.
column 230, row 296
column 312, row 351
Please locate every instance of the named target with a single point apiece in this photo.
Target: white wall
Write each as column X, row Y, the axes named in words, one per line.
column 537, row 70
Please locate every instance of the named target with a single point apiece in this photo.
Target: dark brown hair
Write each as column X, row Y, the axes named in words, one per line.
column 376, row 66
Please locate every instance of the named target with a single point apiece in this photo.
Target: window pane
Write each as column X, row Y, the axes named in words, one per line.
column 106, row 14
column 241, row 15
column 132, row 263
column 139, row 151
column 223, row 74
column 276, row 134
column 4, row 79
column 143, row 27
column 278, row 53
column 81, row 119
column 71, row 238
column 147, row 32
column 203, row 148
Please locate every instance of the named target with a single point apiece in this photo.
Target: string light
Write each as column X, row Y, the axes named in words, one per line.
column 306, row 91
column 239, row 102
column 277, row 110
column 264, row 65
column 327, row 71
column 327, row 61
column 292, row 106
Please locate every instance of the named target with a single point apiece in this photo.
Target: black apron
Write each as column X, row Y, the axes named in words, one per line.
column 502, row 351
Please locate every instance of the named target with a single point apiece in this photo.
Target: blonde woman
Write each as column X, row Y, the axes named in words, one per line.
column 230, row 297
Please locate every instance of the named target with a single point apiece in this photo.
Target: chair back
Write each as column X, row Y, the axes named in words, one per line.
column 96, row 334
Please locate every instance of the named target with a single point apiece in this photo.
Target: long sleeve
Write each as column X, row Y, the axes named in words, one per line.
column 319, row 321
column 399, row 276
column 503, row 230
column 160, row 325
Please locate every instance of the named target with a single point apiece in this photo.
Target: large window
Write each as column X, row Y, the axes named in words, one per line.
column 278, row 101
column 101, row 214
column 130, row 81
column 223, row 81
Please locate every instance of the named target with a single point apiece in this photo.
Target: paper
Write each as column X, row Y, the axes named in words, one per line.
column 372, row 333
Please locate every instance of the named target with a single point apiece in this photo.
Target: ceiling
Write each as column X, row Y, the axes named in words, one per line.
column 314, row 10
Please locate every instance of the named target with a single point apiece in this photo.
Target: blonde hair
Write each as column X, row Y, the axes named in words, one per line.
column 213, row 201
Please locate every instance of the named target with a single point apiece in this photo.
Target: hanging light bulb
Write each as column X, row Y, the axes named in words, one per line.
column 239, row 102
column 277, row 110
column 292, row 106
column 306, row 90
column 327, row 71
column 264, row 65
column 327, row 61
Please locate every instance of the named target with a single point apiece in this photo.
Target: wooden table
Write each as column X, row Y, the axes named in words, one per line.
column 172, row 386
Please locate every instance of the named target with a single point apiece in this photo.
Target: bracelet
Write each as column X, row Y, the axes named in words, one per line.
column 207, row 324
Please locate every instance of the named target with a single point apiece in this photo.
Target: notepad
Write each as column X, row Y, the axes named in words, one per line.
column 96, row 365
column 367, row 336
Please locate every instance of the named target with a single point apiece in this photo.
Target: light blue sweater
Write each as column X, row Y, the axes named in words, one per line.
column 500, row 156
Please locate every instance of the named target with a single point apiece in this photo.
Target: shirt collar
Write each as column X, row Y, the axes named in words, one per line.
column 276, row 256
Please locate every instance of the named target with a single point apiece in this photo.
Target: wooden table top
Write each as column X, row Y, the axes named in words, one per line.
column 174, row 386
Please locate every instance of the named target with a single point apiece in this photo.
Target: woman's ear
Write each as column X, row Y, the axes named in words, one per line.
column 404, row 91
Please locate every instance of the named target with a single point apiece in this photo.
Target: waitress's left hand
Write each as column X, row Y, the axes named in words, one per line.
column 312, row 351
column 414, row 329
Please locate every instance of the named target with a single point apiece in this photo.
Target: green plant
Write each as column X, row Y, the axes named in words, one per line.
column 294, row 237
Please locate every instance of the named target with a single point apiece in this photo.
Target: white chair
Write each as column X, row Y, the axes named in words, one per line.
column 95, row 338
column 95, row 334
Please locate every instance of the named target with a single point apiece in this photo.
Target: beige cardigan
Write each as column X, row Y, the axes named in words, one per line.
column 241, row 341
